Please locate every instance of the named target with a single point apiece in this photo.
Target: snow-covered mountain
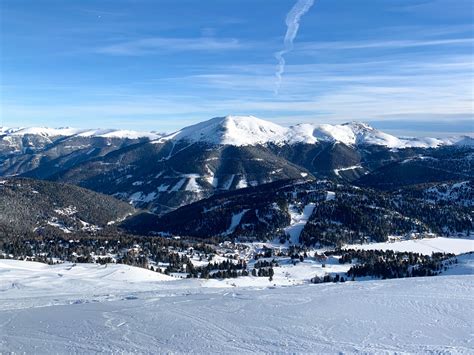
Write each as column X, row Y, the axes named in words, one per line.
column 227, row 153
column 232, row 130
column 69, row 132
column 53, row 149
column 250, row 130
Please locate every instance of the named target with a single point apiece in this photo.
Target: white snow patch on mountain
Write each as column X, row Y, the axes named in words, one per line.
column 298, row 221
column 353, row 167
column 178, row 185
column 209, row 177
column 235, row 221
column 242, row 183
column 66, row 211
column 192, row 184
column 140, row 197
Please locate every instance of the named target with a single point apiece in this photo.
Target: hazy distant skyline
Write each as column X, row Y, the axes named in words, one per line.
column 405, row 65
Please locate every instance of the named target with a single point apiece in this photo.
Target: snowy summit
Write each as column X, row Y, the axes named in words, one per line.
column 250, row 130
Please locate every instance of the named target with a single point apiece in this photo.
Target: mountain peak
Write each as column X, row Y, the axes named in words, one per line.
column 359, row 126
column 232, row 130
column 250, row 130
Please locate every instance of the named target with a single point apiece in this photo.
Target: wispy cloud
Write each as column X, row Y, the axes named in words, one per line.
column 155, row 44
column 426, row 86
column 381, row 44
column 293, row 23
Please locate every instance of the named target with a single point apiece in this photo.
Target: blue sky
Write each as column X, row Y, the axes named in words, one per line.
column 406, row 65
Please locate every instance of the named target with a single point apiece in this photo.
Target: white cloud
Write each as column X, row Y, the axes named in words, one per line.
column 160, row 44
column 380, row 44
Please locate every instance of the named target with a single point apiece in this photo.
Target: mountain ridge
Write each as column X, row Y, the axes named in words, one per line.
column 230, row 153
column 79, row 132
column 250, row 130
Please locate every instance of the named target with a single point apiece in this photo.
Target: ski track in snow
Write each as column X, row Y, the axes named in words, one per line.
column 416, row 315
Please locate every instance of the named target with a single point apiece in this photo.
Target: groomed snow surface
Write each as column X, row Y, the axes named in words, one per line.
column 120, row 309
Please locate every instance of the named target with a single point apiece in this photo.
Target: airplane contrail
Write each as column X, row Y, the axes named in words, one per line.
column 293, row 23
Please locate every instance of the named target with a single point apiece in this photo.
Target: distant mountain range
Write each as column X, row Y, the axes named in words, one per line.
column 161, row 172
column 54, row 133
column 248, row 130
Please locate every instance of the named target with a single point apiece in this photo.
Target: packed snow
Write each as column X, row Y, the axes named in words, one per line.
column 120, row 309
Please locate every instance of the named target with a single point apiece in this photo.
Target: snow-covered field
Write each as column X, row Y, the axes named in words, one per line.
column 121, row 309
column 425, row 246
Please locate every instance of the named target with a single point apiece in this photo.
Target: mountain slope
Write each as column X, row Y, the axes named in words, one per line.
column 41, row 152
column 164, row 176
column 312, row 213
column 445, row 164
column 223, row 154
column 32, row 207
column 250, row 130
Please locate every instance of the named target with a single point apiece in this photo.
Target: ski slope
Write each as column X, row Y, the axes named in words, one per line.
column 126, row 310
column 298, row 221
